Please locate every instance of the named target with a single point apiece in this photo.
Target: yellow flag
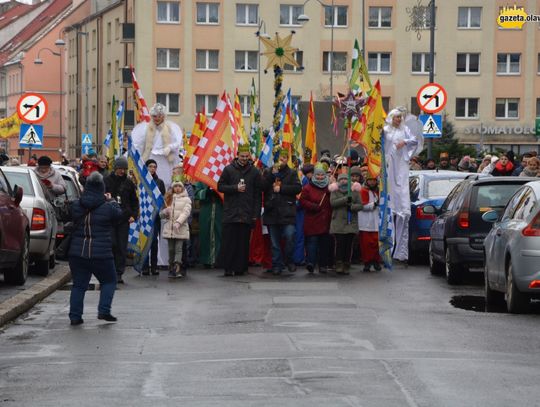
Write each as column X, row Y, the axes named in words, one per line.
column 10, row 126
column 237, row 113
column 373, row 122
column 310, row 154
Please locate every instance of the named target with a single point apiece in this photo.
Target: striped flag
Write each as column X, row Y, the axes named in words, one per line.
column 114, row 144
column 237, row 110
column 217, row 147
column 151, row 201
column 297, row 129
column 143, row 114
column 310, row 153
column 254, row 122
column 359, row 81
column 199, row 127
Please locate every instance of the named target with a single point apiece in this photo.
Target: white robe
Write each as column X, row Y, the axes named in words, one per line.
column 165, row 163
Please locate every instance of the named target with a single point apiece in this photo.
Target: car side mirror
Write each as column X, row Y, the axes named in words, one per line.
column 17, row 195
column 429, row 210
column 490, row 216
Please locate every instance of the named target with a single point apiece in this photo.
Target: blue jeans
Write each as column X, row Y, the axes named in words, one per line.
column 318, row 250
column 278, row 232
column 81, row 272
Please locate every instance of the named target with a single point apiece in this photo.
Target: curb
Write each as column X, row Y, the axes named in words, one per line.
column 22, row 302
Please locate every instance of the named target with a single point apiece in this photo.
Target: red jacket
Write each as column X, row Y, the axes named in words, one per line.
column 317, row 215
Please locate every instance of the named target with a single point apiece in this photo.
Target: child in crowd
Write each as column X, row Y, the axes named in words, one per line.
column 175, row 226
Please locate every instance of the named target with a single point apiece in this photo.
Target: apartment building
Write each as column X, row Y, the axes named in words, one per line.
column 186, row 53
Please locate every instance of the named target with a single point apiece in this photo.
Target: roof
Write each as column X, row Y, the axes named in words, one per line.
column 15, row 12
column 44, row 18
column 500, row 180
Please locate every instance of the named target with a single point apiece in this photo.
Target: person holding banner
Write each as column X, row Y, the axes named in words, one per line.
column 403, row 140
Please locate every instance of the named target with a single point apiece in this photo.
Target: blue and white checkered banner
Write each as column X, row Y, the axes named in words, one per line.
column 151, row 201
column 386, row 225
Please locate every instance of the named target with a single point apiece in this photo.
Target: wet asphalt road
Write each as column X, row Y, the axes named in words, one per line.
column 379, row 339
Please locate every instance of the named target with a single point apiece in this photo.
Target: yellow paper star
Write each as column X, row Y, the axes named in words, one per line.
column 279, row 51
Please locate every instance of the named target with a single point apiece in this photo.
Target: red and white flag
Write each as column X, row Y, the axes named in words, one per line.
column 143, row 113
column 217, row 147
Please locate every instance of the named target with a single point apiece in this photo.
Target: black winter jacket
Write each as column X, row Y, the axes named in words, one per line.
column 240, row 207
column 91, row 238
column 124, row 188
column 280, row 208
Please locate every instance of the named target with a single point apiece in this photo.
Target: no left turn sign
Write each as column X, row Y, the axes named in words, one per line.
column 32, row 108
column 431, row 98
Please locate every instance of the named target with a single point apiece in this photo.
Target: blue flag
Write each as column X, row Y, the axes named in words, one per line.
column 151, row 201
column 386, row 226
column 266, row 157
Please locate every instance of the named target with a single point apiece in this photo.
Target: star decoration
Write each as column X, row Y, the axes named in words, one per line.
column 349, row 106
column 279, row 51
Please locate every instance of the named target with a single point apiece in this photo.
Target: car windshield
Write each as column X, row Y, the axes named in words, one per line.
column 21, row 179
column 441, row 187
column 494, row 196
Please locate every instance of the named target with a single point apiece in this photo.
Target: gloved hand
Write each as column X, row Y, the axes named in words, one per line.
column 166, row 150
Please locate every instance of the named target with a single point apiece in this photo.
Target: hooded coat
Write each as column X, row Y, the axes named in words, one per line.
column 174, row 218
column 58, row 186
column 94, row 218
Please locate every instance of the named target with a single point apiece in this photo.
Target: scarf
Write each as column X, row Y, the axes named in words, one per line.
column 343, row 188
column 320, row 184
column 504, row 169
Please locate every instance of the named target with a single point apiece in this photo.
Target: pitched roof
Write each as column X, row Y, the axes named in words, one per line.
column 15, row 12
column 44, row 18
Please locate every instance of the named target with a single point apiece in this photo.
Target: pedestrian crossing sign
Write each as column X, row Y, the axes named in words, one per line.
column 87, row 139
column 86, row 142
column 31, row 136
column 432, row 125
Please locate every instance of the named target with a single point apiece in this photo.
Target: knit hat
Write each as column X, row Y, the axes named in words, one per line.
column 121, row 162
column 95, row 183
column 44, row 160
column 177, row 183
column 150, row 161
column 356, row 171
column 487, row 157
column 243, row 148
column 319, row 169
column 342, row 176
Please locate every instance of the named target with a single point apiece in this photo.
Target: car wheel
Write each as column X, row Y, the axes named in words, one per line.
column 516, row 301
column 492, row 298
column 41, row 267
column 19, row 273
column 435, row 267
column 454, row 271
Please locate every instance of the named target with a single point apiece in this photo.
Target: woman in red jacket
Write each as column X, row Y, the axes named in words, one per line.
column 315, row 199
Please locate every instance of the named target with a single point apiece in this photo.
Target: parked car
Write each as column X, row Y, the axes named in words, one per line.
column 458, row 233
column 429, row 187
column 512, row 251
column 40, row 212
column 14, row 233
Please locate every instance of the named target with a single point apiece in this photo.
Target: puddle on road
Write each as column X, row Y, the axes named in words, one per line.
column 474, row 303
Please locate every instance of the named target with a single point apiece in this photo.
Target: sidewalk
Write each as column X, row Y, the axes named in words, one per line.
column 25, row 300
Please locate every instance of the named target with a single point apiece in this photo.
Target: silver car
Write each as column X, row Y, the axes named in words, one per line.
column 40, row 212
column 512, row 251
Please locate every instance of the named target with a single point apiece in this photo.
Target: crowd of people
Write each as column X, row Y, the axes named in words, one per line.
column 321, row 217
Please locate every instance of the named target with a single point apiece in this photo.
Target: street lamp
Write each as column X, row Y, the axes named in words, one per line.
column 38, row 61
column 260, row 34
column 304, row 18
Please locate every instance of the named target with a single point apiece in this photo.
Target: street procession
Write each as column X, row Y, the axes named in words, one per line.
column 268, row 203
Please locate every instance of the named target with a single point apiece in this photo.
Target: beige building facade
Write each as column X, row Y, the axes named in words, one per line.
column 186, row 53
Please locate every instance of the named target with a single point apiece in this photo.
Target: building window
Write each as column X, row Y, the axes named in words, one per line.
column 207, row 13
column 168, row 12
column 537, row 107
column 116, row 71
column 94, row 77
column 421, row 63
column 168, row 58
column 171, row 100
column 94, row 115
column 507, row 108
column 386, row 103
column 339, row 62
column 116, row 28
column 244, row 104
column 109, row 32
column 109, row 73
column 206, row 102
column 538, row 65
column 247, row 14
column 379, row 62
column 288, row 15
column 468, row 63
column 469, row 17
column 380, row 17
column 415, row 109
column 467, row 108
column 246, row 61
column 299, row 56
column 508, row 64
column 94, row 39
column 207, row 60
column 336, row 16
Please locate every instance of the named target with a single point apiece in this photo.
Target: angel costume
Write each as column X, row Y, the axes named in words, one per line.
column 161, row 143
column 397, row 159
